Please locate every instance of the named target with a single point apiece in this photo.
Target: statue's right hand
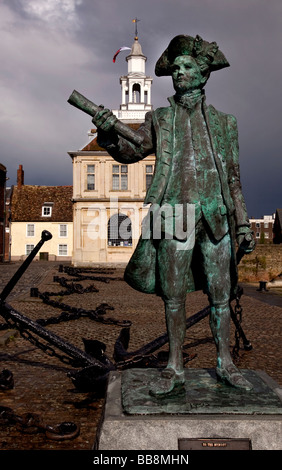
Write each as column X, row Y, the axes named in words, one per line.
column 104, row 119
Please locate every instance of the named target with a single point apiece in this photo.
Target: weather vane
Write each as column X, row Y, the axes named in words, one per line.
column 136, row 32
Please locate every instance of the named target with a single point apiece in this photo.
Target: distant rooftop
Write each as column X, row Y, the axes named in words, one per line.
column 27, row 203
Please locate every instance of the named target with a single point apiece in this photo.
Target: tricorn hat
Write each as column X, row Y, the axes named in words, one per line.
column 207, row 54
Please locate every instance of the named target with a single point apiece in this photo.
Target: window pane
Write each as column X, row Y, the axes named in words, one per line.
column 149, row 175
column 29, row 249
column 119, row 230
column 90, row 182
column 148, row 181
column 46, row 210
column 124, row 169
column 115, row 168
column 90, row 168
column 115, row 182
column 123, row 181
column 63, row 250
column 30, row 230
column 63, row 230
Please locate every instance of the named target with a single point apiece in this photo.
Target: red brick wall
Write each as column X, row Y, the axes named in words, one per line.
column 264, row 227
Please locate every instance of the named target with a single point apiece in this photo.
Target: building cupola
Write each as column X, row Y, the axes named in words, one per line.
column 135, row 87
column 136, row 59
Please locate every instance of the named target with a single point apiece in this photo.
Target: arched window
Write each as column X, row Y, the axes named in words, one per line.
column 119, row 230
column 136, row 92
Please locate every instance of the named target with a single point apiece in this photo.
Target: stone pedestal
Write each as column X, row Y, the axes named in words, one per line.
column 207, row 414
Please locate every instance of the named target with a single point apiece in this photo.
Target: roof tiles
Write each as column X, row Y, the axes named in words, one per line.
column 27, row 203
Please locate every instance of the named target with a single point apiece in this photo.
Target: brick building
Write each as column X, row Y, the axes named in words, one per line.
column 263, row 228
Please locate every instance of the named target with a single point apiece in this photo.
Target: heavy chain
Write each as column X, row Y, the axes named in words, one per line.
column 46, row 348
column 73, row 313
column 238, row 315
column 32, row 423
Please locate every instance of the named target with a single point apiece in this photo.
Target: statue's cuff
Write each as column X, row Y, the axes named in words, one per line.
column 243, row 229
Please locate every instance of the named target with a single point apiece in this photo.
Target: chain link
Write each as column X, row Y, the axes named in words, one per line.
column 238, row 315
column 32, row 423
column 73, row 313
column 46, row 348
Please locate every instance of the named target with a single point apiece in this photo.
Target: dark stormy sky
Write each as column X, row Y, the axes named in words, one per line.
column 50, row 47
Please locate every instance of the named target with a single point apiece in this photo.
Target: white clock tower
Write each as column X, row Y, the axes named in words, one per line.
column 135, row 88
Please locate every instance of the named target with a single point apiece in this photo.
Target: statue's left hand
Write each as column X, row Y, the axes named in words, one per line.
column 246, row 242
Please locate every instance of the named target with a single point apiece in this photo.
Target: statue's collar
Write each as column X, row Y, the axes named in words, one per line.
column 189, row 100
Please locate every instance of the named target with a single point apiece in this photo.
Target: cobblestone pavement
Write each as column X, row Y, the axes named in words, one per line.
column 41, row 384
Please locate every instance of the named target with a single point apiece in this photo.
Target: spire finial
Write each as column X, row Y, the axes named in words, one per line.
column 136, row 32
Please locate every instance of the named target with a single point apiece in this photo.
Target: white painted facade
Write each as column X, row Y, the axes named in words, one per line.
column 26, row 235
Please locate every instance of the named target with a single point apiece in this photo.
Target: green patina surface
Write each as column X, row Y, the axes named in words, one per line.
column 203, row 394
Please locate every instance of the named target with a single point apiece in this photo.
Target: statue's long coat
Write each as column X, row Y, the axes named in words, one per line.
column 158, row 131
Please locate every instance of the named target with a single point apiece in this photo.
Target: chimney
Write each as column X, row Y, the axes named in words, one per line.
column 20, row 177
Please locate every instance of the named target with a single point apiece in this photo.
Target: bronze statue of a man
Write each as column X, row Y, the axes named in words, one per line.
column 197, row 164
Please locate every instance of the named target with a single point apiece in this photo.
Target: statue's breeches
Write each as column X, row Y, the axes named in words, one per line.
column 174, row 264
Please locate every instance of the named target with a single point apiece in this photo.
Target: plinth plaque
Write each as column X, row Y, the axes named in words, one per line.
column 214, row 444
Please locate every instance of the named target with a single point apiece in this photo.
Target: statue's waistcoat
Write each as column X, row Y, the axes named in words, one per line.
column 164, row 123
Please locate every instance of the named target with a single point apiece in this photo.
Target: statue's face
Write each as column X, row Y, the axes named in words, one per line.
column 186, row 74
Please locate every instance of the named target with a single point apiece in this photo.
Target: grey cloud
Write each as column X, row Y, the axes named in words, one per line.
column 48, row 48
